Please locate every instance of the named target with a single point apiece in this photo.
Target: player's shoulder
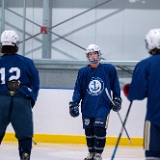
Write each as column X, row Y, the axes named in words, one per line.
column 108, row 66
column 144, row 62
column 25, row 59
column 82, row 69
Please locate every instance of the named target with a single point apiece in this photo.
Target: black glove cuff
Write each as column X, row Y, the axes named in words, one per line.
column 118, row 99
column 73, row 104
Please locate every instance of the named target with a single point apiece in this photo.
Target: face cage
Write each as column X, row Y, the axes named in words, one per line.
column 94, row 61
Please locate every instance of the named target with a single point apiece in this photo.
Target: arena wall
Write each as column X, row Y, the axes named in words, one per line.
column 53, row 123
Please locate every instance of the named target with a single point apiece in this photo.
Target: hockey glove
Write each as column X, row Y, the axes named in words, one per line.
column 13, row 86
column 74, row 109
column 126, row 89
column 117, row 101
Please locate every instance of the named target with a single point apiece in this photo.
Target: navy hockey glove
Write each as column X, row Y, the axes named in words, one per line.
column 13, row 86
column 74, row 109
column 117, row 101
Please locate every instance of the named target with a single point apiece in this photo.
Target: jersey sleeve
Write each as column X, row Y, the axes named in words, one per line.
column 114, row 81
column 77, row 94
column 138, row 86
column 34, row 79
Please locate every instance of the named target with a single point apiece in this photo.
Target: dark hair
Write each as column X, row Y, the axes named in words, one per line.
column 155, row 50
column 9, row 49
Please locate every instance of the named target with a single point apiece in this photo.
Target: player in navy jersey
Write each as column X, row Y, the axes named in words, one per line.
column 89, row 90
column 19, row 86
column 146, row 84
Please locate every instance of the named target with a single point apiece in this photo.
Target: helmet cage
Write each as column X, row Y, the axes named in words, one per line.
column 93, row 48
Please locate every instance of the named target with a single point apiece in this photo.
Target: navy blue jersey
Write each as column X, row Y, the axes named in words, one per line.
column 17, row 67
column 90, row 89
column 146, row 83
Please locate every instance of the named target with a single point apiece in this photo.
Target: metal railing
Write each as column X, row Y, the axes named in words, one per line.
column 120, row 65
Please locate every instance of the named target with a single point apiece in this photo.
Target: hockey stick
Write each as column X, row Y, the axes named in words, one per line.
column 34, row 142
column 118, row 115
column 120, row 134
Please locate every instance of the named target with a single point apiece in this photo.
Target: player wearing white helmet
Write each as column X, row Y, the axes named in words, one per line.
column 95, row 105
column 9, row 38
column 93, row 49
column 153, row 40
column 145, row 84
column 19, row 85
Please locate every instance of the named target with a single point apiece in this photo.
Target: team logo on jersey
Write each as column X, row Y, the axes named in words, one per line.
column 86, row 122
column 95, row 86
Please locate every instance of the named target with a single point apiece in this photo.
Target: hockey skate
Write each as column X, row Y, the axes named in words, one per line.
column 97, row 156
column 25, row 156
column 90, row 156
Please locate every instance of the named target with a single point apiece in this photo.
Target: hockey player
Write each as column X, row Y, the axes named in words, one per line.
column 145, row 84
column 95, row 105
column 19, row 86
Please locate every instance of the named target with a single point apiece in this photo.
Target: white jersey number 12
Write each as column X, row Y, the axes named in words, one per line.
column 15, row 70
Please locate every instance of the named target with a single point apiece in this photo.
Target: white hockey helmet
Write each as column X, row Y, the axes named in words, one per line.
column 153, row 40
column 9, row 38
column 93, row 48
